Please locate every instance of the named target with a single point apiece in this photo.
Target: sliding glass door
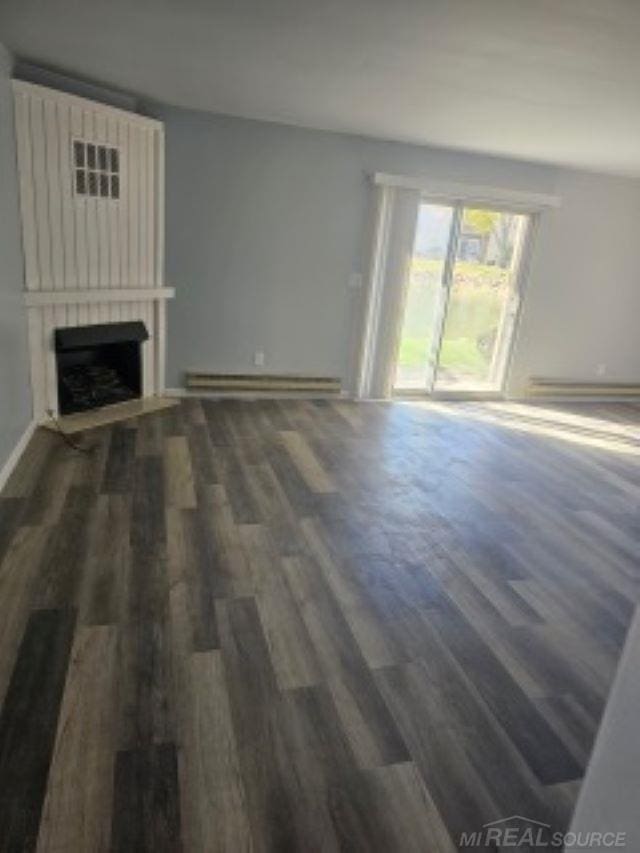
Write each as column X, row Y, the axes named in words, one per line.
column 461, row 299
column 482, row 301
column 424, row 303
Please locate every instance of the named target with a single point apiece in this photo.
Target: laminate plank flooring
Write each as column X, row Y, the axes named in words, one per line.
column 311, row 625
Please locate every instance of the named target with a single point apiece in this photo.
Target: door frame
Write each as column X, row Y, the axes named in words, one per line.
column 518, row 288
column 369, row 377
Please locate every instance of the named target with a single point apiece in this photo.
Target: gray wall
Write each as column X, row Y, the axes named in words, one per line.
column 583, row 297
column 265, row 224
column 54, row 80
column 608, row 800
column 15, row 393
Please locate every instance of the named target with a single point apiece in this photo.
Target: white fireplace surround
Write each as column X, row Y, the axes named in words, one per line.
column 92, row 209
column 48, row 311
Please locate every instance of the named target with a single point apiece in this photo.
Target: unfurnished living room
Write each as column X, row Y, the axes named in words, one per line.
column 319, row 426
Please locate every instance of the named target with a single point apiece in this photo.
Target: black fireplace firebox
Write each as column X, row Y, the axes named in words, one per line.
column 98, row 365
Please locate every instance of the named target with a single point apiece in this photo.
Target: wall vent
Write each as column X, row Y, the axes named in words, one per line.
column 96, row 169
column 227, row 382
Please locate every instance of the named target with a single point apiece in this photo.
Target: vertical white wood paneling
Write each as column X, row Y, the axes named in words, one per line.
column 38, row 378
column 159, row 307
column 150, row 208
column 138, row 182
column 153, row 347
column 90, row 203
column 54, row 193
column 133, row 189
column 123, row 204
column 158, row 160
column 78, row 207
column 75, row 242
column 138, row 314
column 27, row 196
column 84, row 315
column 112, row 215
column 73, row 312
column 147, row 213
column 49, row 324
column 102, row 210
column 41, row 348
column 41, row 191
column 60, row 316
column 160, row 327
column 59, row 319
column 83, row 241
column 79, row 241
column 66, row 196
column 142, row 209
column 149, row 360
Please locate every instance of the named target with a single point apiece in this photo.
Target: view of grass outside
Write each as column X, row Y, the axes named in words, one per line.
column 475, row 307
column 480, row 286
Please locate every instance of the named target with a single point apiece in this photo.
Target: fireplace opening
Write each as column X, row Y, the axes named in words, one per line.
column 98, row 365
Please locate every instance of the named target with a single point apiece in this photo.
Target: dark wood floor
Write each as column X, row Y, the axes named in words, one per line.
column 311, row 626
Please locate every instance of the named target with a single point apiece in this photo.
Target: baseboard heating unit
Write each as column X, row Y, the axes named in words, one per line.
column 229, row 382
column 571, row 388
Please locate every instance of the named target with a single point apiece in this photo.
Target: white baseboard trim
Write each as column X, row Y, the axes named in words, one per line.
column 16, row 453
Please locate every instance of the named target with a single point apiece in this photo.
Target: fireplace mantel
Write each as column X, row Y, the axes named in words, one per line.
column 77, row 296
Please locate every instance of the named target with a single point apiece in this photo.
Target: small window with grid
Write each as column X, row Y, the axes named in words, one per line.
column 96, row 170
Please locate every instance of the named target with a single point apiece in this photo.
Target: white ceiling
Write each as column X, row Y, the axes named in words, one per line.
column 549, row 80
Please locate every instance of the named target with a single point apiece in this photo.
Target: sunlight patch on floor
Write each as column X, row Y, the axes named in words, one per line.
column 586, row 430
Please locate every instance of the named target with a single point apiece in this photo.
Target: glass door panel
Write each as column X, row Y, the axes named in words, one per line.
column 424, row 299
column 482, row 301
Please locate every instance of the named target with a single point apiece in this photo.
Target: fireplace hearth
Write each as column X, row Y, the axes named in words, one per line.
column 98, row 365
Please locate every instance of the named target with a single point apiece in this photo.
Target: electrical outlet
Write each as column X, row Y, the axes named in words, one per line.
column 601, row 369
column 258, row 358
column 355, row 281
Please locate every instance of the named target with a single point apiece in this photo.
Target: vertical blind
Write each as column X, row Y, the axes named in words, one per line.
column 396, row 213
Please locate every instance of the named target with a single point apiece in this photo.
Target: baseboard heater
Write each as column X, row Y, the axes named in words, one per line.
column 571, row 388
column 261, row 382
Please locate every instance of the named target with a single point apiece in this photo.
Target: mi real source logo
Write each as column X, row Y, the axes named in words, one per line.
column 518, row 831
